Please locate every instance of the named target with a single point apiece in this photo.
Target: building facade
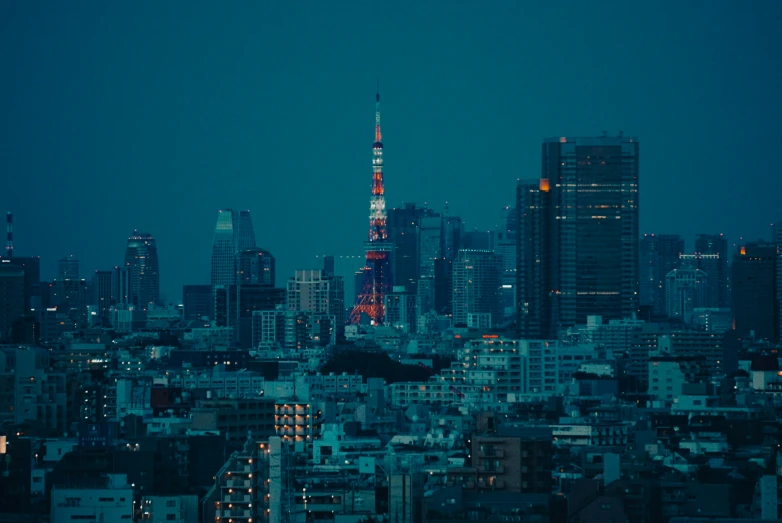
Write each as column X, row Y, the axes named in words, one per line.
column 476, row 285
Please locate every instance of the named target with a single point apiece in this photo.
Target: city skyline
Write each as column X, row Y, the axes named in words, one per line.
column 443, row 127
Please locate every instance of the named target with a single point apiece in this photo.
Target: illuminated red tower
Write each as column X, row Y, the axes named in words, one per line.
column 377, row 271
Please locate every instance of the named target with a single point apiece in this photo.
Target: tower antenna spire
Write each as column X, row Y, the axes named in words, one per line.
column 377, row 270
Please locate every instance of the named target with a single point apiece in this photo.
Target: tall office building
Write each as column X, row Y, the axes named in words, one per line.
column 659, row 255
column 404, row 228
column 754, row 287
column 533, row 262
column 686, row 290
column 144, row 270
column 256, row 266
column 713, row 249
column 476, row 285
column 245, row 233
column 224, row 248
column 31, row 265
column 68, row 268
column 234, row 234
column 12, row 297
column 101, row 288
column 593, row 226
column 328, row 266
column 198, row 302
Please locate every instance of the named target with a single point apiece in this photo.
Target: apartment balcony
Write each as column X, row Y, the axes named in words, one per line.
column 235, row 513
column 238, row 483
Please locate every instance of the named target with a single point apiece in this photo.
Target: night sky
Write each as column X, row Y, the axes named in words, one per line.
column 117, row 116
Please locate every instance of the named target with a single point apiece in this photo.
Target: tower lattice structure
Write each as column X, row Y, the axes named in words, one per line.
column 377, row 270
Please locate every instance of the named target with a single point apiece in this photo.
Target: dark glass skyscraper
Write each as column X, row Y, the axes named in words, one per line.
column 144, row 270
column 102, row 293
column 404, row 225
column 256, row 266
column 659, row 256
column 589, row 212
column 533, row 261
column 245, row 233
column 716, row 269
column 68, row 268
column 755, row 307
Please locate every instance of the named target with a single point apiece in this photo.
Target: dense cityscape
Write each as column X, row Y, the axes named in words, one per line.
column 560, row 368
column 608, row 352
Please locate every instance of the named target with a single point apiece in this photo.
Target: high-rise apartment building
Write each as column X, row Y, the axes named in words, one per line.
column 68, row 268
column 713, row 251
column 659, row 255
column 754, row 286
column 311, row 290
column 256, row 266
column 592, row 191
column 144, row 270
column 476, row 285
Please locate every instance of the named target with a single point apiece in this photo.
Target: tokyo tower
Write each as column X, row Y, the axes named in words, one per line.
column 377, row 270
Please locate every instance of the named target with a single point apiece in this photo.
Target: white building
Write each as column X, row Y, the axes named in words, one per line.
column 111, row 501
column 165, row 509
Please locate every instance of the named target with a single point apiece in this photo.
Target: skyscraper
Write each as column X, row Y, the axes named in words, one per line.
column 144, row 270
column 245, row 233
column 11, row 297
column 68, row 268
column 234, row 234
column 659, row 256
column 533, row 261
column 777, row 239
column 715, row 268
column 102, row 293
column 754, row 285
column 198, row 301
column 476, row 285
column 256, row 266
column 404, row 225
column 224, row 248
column 377, row 270
column 593, row 226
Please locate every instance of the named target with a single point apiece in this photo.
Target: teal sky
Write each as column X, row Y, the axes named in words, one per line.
column 153, row 115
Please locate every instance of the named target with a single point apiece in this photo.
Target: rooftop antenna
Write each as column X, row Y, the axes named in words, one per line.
column 9, row 246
